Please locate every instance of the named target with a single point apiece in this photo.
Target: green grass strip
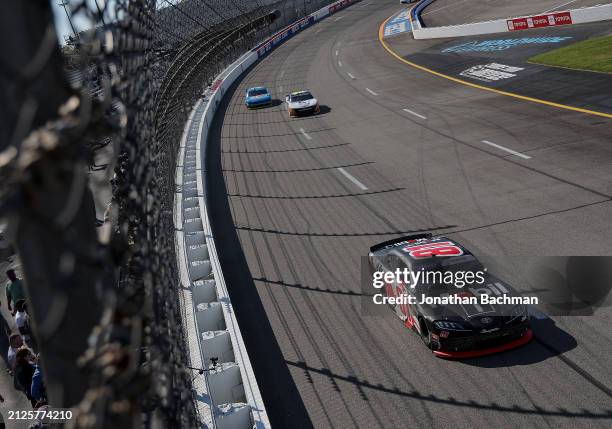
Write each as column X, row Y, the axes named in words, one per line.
column 591, row 54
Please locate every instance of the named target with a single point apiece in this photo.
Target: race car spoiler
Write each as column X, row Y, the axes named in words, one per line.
column 399, row 240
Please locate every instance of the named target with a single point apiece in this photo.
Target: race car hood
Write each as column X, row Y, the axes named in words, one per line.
column 259, row 97
column 303, row 104
column 475, row 317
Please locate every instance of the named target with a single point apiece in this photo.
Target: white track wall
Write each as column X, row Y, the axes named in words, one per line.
column 579, row 16
column 227, row 394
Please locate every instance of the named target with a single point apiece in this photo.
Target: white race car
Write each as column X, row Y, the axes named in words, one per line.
column 301, row 103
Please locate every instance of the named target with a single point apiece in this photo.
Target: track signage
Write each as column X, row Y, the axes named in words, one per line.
column 549, row 20
column 400, row 23
column 491, row 72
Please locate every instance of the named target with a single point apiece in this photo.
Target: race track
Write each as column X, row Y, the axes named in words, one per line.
column 452, row 12
column 305, row 198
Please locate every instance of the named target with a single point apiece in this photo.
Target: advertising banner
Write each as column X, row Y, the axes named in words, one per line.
column 549, row 20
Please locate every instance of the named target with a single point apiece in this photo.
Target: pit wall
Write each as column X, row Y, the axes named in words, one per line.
column 513, row 25
column 226, row 393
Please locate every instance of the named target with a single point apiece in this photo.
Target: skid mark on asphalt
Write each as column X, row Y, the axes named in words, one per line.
column 286, row 150
column 341, row 234
column 302, row 197
column 298, row 170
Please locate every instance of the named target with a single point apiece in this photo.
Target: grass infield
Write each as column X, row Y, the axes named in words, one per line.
column 591, row 54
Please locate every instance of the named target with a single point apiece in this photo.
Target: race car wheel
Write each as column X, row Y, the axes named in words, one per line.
column 424, row 333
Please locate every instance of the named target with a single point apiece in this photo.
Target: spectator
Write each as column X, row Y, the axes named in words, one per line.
column 22, row 320
column 24, row 370
column 15, row 343
column 39, row 392
column 14, row 289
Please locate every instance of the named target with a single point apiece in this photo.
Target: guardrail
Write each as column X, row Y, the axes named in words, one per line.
column 573, row 16
column 226, row 388
column 417, row 23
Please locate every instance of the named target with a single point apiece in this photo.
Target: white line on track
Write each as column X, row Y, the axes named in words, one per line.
column 414, row 113
column 282, row 73
column 336, row 52
column 371, row 92
column 339, row 18
column 318, row 31
column 340, row 63
column 351, row 76
column 367, row 4
column 513, row 152
column 305, row 134
column 353, row 179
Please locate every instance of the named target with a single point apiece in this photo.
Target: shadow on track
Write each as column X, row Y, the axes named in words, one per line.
column 464, row 403
column 304, row 287
column 324, row 110
column 548, row 341
column 281, row 397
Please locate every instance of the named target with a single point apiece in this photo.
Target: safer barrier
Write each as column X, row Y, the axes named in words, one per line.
column 229, row 397
column 574, row 16
column 417, row 23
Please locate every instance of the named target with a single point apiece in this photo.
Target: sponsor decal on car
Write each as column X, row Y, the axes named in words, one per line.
column 440, row 248
column 491, row 72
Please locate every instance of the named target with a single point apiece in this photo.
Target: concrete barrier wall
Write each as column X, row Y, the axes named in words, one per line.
column 592, row 14
column 227, row 393
column 488, row 27
column 579, row 16
column 416, row 13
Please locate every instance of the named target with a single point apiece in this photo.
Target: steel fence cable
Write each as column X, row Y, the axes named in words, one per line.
column 87, row 183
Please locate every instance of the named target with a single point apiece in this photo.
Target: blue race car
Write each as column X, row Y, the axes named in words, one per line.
column 258, row 96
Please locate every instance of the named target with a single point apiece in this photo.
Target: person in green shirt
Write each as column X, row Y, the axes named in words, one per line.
column 14, row 289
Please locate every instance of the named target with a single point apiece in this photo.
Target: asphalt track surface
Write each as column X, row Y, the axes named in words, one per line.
column 581, row 89
column 292, row 228
column 452, row 12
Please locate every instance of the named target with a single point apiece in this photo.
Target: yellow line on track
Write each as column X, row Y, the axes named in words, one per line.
column 484, row 88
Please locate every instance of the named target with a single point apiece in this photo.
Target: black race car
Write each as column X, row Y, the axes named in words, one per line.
column 452, row 321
